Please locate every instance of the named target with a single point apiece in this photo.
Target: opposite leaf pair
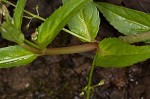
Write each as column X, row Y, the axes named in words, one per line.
column 11, row 30
column 83, row 20
column 46, row 32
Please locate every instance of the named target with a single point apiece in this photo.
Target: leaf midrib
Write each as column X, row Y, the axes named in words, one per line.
column 86, row 27
column 123, row 54
column 125, row 18
column 17, row 58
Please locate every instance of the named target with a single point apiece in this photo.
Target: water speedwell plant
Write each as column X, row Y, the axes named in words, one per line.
column 82, row 18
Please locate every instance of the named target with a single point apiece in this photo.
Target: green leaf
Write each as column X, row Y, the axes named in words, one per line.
column 53, row 24
column 64, row 1
column 18, row 14
column 85, row 24
column 15, row 56
column 10, row 32
column 114, row 52
column 126, row 21
column 4, row 0
column 6, row 15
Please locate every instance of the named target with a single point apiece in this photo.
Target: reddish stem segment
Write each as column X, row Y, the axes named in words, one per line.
column 71, row 49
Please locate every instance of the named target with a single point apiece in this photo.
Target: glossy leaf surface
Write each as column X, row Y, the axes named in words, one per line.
column 85, row 24
column 126, row 21
column 53, row 24
column 18, row 14
column 10, row 32
column 116, row 53
column 15, row 56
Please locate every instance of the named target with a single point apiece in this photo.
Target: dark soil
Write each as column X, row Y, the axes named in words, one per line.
column 65, row 76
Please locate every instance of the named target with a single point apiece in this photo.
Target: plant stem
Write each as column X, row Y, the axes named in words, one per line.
column 62, row 50
column 74, row 34
column 32, row 44
column 35, row 16
column 136, row 37
column 88, row 91
column 32, row 49
column 71, row 49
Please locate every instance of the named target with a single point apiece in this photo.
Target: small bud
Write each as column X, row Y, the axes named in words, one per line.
column 34, row 36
